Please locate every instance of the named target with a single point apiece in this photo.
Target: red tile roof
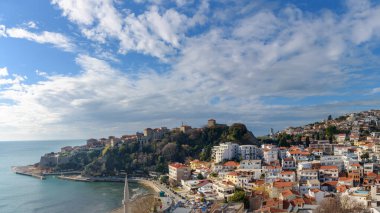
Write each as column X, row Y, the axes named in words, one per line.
column 178, row 165
column 287, row 172
column 282, row 184
column 328, row 168
column 341, row 188
column 233, row 174
column 231, row 163
column 371, row 174
column 346, row 179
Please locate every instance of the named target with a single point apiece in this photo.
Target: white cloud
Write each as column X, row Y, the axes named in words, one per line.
column 31, row 25
column 2, row 31
column 375, row 90
column 156, row 31
column 289, row 54
column 56, row 39
column 3, row 71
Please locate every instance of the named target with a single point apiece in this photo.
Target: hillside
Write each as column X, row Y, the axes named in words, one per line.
column 175, row 146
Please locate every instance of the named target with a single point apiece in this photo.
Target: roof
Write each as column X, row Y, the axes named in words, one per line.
column 231, row 163
column 297, row 201
column 178, row 165
column 287, row 193
column 355, row 164
column 330, row 183
column 371, row 174
column 287, row 172
column 328, row 167
column 315, row 190
column 282, row 184
column 346, row 179
column 233, row 174
column 341, row 188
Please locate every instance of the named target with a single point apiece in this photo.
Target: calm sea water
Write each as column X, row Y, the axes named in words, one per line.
column 26, row 194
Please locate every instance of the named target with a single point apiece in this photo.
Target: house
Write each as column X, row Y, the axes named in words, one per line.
column 250, row 164
column 355, row 176
column 271, row 172
column 197, row 164
column 346, row 181
column 328, row 173
column 224, row 189
column 287, row 176
column 230, row 165
column 317, row 194
column 329, row 186
column 178, row 172
column 288, row 163
column 307, row 174
column 193, row 184
column 270, row 155
column 277, row 187
column 368, row 167
column 304, row 186
column 333, row 160
column 340, row 138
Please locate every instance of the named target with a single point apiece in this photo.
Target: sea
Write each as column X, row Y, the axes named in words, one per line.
column 23, row 194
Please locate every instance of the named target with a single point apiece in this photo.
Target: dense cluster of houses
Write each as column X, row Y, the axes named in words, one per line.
column 354, row 123
column 281, row 179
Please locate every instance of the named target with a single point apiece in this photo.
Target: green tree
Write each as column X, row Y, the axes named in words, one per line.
column 238, row 196
column 200, row 176
column 365, row 156
column 164, row 179
column 331, row 131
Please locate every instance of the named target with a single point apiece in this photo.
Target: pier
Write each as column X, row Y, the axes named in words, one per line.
column 27, row 171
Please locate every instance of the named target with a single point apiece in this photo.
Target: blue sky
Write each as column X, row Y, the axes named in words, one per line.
column 80, row 69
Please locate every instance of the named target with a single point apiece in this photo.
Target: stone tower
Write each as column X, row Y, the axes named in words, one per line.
column 127, row 207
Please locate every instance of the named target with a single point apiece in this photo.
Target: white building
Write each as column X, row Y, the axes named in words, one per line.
column 332, row 160
column 225, row 151
column 307, row 174
column 270, row 155
column 249, row 152
column 250, row 164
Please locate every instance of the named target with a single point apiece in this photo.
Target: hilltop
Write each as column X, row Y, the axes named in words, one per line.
column 148, row 151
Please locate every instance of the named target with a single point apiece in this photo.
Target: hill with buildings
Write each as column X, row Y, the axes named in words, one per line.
column 350, row 127
column 151, row 150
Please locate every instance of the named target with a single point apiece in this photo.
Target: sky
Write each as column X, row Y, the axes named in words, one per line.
column 94, row 68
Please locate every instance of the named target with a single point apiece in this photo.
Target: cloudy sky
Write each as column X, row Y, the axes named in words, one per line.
column 92, row 68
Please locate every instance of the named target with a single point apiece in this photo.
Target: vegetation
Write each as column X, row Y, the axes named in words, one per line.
column 340, row 205
column 155, row 156
column 238, row 196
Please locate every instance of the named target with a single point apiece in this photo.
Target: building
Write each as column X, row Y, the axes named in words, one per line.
column 270, row 155
column 184, row 128
column 250, row 164
column 225, row 151
column 328, row 173
column 178, row 172
column 211, row 123
column 288, row 164
column 340, row 138
column 287, row 176
column 249, row 152
column 307, row 174
column 368, row 167
column 332, row 160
